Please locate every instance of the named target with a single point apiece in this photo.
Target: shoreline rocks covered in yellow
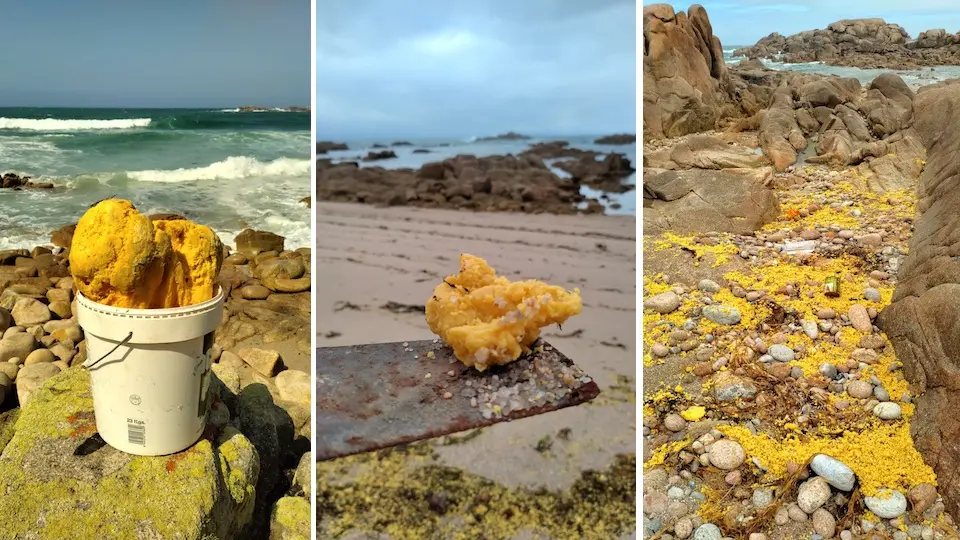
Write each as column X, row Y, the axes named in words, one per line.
column 120, row 258
column 489, row 320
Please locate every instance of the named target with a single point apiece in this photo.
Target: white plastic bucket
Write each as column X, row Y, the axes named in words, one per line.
column 150, row 373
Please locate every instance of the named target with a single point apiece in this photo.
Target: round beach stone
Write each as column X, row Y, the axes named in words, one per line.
column 859, row 318
column 255, row 292
column 871, row 294
column 39, row 356
column 781, row 353
column 709, row 286
column 888, row 504
column 727, row 315
column 922, row 496
column 666, row 302
column 833, row 471
column 707, row 531
column 726, row 454
column 30, row 378
column 824, row 523
column 660, row 350
column 674, row 422
column 887, row 410
column 30, row 312
column 859, row 389
column 813, row 494
column 16, row 345
column 810, row 329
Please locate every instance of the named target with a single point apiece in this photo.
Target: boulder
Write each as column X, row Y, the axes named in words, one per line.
column 923, row 319
column 683, row 69
column 206, row 491
column 737, row 201
column 290, row 519
column 251, row 242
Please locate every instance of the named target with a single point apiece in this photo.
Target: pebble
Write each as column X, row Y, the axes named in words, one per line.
column 781, row 353
column 729, row 387
column 709, row 286
column 826, row 313
column 707, row 531
column 39, row 356
column 255, row 292
column 676, row 493
column 828, row 370
column 881, row 393
column 663, row 303
column 871, row 294
column 859, row 389
column 867, row 356
column 660, row 350
column 833, row 471
column 922, row 496
column 782, row 515
column 813, row 494
column 887, row 410
column 674, row 422
column 846, row 535
column 796, row 514
column 889, row 504
column 732, row 478
column 722, row 314
column 859, row 318
column 824, row 523
column 762, row 498
column 810, row 329
column 683, row 528
column 726, row 454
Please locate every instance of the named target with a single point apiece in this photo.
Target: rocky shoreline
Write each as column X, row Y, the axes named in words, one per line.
column 862, row 43
column 522, row 183
column 796, row 266
column 260, row 420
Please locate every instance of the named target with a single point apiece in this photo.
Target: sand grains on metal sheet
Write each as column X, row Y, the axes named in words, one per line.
column 380, row 395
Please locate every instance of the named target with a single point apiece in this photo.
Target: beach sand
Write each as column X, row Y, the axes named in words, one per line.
column 367, row 257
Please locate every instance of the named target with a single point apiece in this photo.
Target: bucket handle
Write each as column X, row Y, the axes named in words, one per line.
column 88, row 364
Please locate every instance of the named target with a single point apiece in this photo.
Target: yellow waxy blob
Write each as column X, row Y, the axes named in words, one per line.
column 489, row 320
column 120, row 258
column 694, row 413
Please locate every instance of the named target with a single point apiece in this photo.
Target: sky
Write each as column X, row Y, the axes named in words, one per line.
column 177, row 53
column 463, row 68
column 744, row 22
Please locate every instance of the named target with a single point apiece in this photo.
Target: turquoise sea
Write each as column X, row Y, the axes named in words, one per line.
column 220, row 167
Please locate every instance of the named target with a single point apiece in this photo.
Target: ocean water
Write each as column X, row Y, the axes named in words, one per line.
column 441, row 149
column 913, row 77
column 223, row 168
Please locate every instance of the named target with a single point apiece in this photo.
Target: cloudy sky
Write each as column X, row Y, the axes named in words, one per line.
column 744, row 22
column 461, row 68
column 178, row 53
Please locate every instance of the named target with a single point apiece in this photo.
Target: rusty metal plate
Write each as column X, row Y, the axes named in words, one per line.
column 381, row 395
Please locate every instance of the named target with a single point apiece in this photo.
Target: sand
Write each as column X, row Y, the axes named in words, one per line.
column 367, row 257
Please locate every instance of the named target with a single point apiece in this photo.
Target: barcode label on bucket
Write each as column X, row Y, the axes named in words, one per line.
column 136, row 432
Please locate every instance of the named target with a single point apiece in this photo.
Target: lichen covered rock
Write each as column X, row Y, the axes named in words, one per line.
column 290, row 519
column 206, row 491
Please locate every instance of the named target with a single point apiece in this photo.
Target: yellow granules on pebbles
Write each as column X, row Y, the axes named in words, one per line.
column 664, row 450
column 721, row 252
column 853, row 280
column 881, row 457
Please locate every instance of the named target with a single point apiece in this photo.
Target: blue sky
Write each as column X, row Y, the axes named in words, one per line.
column 460, row 68
column 178, row 53
column 744, row 22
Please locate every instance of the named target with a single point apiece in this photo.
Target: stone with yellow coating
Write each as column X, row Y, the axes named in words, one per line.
column 206, row 491
column 290, row 519
column 120, row 258
column 489, row 320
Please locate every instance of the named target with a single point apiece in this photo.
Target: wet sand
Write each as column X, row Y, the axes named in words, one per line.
column 369, row 257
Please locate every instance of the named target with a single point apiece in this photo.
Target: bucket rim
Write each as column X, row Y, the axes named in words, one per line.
column 158, row 312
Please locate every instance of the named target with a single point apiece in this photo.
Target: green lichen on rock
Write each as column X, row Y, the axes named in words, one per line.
column 7, row 422
column 203, row 492
column 290, row 519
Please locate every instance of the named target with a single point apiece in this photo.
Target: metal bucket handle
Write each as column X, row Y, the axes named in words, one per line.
column 88, row 364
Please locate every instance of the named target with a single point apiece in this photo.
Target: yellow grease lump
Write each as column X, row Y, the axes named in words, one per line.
column 120, row 258
column 489, row 320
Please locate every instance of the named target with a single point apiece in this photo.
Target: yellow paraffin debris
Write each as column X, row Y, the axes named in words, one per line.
column 120, row 258
column 489, row 320
column 881, row 457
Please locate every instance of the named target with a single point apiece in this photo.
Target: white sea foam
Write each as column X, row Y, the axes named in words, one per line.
column 66, row 124
column 231, row 168
column 230, row 110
